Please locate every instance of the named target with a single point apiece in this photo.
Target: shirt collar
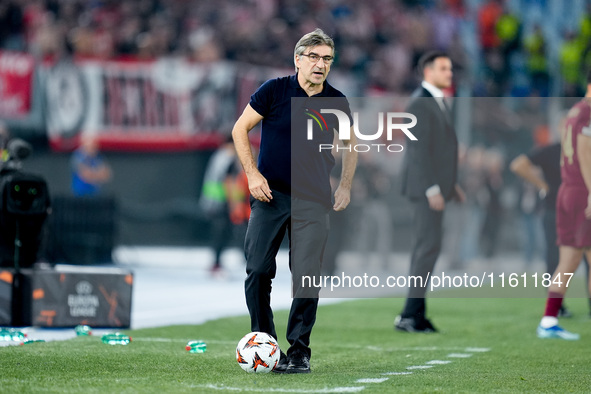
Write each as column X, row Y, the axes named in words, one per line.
column 293, row 80
column 435, row 92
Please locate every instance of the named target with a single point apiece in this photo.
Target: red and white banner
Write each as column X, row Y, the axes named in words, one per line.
column 168, row 104
column 16, row 79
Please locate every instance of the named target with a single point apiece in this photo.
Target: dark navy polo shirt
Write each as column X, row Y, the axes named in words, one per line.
column 306, row 173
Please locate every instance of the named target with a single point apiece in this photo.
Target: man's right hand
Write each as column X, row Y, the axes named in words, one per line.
column 436, row 202
column 259, row 188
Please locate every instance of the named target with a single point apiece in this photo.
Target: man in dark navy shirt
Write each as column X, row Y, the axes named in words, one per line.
column 298, row 204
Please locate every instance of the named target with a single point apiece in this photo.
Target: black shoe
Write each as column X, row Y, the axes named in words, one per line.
column 299, row 362
column 281, row 364
column 426, row 326
column 564, row 312
column 412, row 324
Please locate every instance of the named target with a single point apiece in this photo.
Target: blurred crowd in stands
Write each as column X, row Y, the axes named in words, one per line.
column 499, row 47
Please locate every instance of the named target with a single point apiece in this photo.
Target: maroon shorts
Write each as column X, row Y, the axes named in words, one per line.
column 572, row 228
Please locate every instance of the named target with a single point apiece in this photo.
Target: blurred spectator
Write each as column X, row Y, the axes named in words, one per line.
column 530, row 209
column 445, row 26
column 472, row 175
column 90, row 172
column 488, row 15
column 585, row 37
column 224, row 199
column 203, row 46
column 493, row 187
column 571, row 56
column 11, row 26
column 508, row 28
column 536, row 52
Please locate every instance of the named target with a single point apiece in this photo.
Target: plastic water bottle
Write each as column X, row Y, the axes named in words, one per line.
column 29, row 341
column 116, row 339
column 196, row 347
column 11, row 334
column 83, row 330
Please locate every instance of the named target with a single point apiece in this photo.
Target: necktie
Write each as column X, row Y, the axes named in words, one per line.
column 445, row 108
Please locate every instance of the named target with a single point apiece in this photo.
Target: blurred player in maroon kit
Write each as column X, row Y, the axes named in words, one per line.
column 573, row 211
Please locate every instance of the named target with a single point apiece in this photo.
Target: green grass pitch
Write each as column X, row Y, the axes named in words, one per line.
column 490, row 345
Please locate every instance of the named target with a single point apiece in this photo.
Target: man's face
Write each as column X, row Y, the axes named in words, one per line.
column 439, row 74
column 311, row 71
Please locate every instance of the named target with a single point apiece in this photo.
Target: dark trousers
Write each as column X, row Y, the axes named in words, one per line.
column 427, row 235
column 306, row 224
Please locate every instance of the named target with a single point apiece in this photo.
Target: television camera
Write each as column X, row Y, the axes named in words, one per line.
column 24, row 207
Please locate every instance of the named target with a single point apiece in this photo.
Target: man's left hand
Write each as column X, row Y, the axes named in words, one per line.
column 342, row 197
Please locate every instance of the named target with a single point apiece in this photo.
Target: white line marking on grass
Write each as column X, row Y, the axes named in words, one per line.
column 280, row 390
column 371, row 380
column 420, row 367
column 396, row 373
column 478, row 349
column 408, row 349
column 459, row 355
column 438, row 362
column 147, row 339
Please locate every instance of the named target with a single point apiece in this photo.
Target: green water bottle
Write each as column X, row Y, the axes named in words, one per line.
column 11, row 334
column 83, row 330
column 29, row 341
column 196, row 347
column 116, row 339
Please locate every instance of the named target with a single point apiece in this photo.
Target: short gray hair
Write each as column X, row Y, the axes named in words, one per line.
column 312, row 39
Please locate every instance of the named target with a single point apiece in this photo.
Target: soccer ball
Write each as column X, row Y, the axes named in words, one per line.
column 257, row 352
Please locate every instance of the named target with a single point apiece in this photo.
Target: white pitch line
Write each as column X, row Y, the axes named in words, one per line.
column 371, row 380
column 396, row 373
column 147, row 339
column 478, row 349
column 438, row 362
column 280, row 390
column 420, row 367
column 459, row 355
column 409, row 349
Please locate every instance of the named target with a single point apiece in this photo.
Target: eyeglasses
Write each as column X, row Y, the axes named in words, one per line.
column 315, row 58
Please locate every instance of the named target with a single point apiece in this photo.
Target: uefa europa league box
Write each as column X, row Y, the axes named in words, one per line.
column 66, row 296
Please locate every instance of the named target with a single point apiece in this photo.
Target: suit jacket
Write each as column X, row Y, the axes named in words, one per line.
column 433, row 158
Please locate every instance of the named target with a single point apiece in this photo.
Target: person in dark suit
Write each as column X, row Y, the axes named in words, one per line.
column 428, row 181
